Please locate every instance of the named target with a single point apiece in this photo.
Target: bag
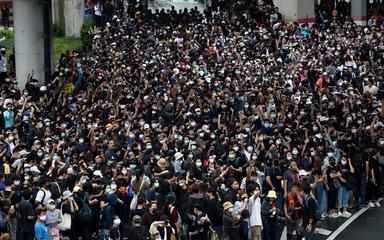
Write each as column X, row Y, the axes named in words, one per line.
column 4, row 223
column 133, row 204
column 381, row 160
column 212, row 235
column 317, row 216
column 54, row 232
column 66, row 220
column 6, row 201
column 336, row 183
column 85, row 213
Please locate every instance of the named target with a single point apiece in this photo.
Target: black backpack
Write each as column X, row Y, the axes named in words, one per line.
column 85, row 213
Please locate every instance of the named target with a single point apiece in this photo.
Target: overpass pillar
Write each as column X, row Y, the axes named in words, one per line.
column 301, row 11
column 359, row 11
column 33, row 39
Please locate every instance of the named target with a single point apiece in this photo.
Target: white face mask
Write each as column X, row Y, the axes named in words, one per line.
column 236, row 149
column 230, row 210
column 295, row 152
column 16, row 183
column 43, row 217
column 254, row 157
column 199, row 164
column 343, row 161
column 249, row 148
column 116, row 221
column 157, row 184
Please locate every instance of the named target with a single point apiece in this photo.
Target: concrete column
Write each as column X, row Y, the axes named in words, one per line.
column 55, row 11
column 73, row 17
column 29, row 40
column 301, row 11
column 359, row 11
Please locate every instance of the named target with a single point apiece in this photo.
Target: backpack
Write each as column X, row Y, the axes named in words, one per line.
column 6, row 201
column 85, row 213
column 212, row 235
column 4, row 223
column 317, row 216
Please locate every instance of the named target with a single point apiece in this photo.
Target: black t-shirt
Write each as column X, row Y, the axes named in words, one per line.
column 25, row 210
column 274, row 172
column 309, row 210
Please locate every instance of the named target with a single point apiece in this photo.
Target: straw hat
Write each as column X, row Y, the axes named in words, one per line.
column 162, row 162
column 227, row 205
column 271, row 194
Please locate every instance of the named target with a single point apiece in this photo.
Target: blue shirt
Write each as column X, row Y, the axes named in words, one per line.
column 41, row 232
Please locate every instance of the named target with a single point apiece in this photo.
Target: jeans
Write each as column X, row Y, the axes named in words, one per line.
column 321, row 198
column 360, row 191
column 342, row 198
column 280, row 201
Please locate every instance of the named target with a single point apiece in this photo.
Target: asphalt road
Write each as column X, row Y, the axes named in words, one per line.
column 368, row 226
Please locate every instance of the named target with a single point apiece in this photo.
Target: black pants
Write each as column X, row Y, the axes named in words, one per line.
column 99, row 21
column 372, row 191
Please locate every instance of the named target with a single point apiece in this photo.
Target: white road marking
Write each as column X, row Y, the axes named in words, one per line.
column 323, row 231
column 348, row 222
column 284, row 234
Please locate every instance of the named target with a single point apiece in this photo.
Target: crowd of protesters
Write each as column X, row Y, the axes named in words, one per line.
column 190, row 125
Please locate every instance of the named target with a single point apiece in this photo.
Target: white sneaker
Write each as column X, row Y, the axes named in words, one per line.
column 346, row 214
column 371, row 204
column 333, row 215
column 339, row 214
column 377, row 204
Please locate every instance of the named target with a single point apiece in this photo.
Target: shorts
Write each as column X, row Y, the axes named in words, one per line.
column 256, row 230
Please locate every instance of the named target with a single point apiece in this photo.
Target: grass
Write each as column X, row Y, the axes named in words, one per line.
column 62, row 44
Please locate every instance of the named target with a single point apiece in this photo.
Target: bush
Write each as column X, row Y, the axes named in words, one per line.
column 57, row 31
column 8, row 34
column 85, row 35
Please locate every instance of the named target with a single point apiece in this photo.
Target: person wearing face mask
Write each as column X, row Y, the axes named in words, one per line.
column 230, row 223
column 269, row 212
column 334, row 183
column 115, row 229
column 53, row 218
column 41, row 231
column 233, row 190
column 290, row 176
column 346, row 169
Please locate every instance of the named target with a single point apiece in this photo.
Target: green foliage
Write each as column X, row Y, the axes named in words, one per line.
column 85, row 35
column 8, row 40
column 57, row 31
column 63, row 44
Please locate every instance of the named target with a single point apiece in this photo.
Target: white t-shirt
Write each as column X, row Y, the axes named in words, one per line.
column 255, row 218
column 98, row 10
column 40, row 196
column 372, row 90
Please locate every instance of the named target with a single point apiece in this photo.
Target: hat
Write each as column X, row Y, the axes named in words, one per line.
column 271, row 194
column 146, row 126
column 136, row 219
column 23, row 152
column 109, row 125
column 43, row 88
column 162, row 162
column 302, row 172
column 97, row 173
column 51, row 201
column 67, row 194
column 227, row 205
column 178, row 155
column 34, row 169
column 324, row 74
